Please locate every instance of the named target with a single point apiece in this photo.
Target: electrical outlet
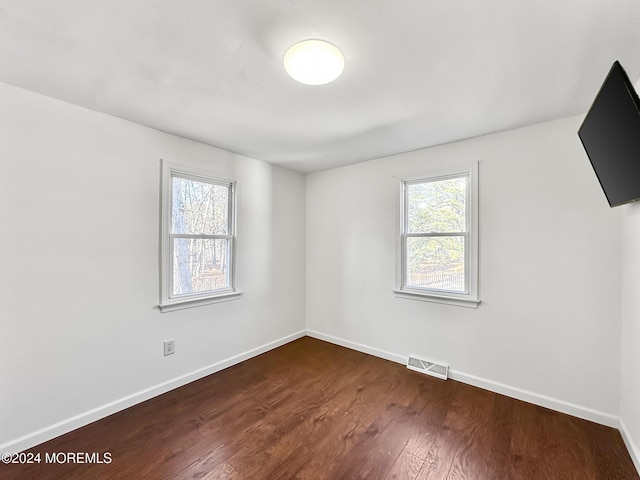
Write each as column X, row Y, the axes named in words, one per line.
column 169, row 347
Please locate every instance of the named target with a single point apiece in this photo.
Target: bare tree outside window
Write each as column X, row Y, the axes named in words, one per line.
column 200, row 235
column 197, row 238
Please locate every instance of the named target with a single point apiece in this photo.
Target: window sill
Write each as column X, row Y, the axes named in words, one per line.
column 447, row 300
column 198, row 302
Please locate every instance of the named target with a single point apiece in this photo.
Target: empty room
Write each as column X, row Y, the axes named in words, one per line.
column 295, row 239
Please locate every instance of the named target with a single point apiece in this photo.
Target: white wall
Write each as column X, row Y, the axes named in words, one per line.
column 79, row 228
column 548, row 328
column 630, row 391
column 82, row 336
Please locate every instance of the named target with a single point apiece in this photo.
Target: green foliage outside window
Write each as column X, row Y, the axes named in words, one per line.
column 435, row 244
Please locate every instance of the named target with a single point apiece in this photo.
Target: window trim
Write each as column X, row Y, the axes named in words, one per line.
column 168, row 301
column 470, row 297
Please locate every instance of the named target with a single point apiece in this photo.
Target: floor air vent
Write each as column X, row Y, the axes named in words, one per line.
column 430, row 368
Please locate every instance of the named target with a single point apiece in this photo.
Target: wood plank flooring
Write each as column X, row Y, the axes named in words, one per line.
column 312, row 410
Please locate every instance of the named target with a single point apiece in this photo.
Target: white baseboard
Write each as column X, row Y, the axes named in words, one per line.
column 513, row 392
column 52, row 431
column 634, row 451
column 358, row 347
column 572, row 409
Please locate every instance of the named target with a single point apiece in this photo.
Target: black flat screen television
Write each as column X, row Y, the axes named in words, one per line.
column 610, row 135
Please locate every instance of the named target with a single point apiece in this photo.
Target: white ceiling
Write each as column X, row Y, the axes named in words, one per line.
column 418, row 72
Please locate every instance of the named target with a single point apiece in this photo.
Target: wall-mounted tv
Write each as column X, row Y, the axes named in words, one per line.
column 610, row 134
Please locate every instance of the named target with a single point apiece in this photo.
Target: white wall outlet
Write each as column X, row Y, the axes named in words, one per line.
column 169, row 347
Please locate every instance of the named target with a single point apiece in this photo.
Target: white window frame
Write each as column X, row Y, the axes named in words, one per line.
column 168, row 301
column 468, row 298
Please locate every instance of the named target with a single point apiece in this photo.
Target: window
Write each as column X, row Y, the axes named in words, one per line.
column 198, row 238
column 438, row 239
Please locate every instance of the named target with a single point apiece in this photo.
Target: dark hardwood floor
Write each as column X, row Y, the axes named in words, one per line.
column 312, row 410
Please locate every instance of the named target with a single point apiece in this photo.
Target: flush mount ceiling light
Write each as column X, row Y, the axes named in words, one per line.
column 314, row 62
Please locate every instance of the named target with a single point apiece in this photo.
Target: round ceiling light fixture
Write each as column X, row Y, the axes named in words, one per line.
column 314, row 62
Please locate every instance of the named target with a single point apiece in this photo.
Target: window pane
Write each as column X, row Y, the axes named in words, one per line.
column 199, row 208
column 437, row 207
column 200, row 265
column 436, row 263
